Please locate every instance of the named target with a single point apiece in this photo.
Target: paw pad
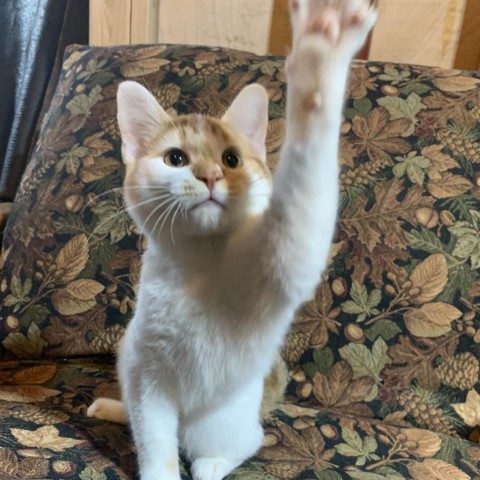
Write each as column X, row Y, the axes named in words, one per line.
column 314, row 102
column 359, row 17
column 294, row 5
column 327, row 23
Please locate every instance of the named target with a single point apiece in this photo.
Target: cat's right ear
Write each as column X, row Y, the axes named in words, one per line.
column 139, row 117
column 248, row 115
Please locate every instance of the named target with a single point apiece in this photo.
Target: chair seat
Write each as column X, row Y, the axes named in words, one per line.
column 44, row 433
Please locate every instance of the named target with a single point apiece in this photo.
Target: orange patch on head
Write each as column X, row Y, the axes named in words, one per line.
column 237, row 180
column 204, row 140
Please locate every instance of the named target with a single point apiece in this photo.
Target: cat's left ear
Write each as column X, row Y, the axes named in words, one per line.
column 139, row 118
column 248, row 115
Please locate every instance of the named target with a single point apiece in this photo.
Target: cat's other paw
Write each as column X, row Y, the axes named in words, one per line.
column 98, row 408
column 211, row 468
column 108, row 409
column 335, row 25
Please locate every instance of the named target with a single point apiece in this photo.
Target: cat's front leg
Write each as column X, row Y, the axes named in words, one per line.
column 154, row 426
column 297, row 229
column 154, row 422
column 326, row 36
column 220, row 438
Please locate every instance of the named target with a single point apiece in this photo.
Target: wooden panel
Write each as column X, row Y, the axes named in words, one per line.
column 242, row 24
column 423, row 32
column 364, row 53
column 410, row 31
column 468, row 53
column 110, row 22
column 280, row 31
column 144, row 25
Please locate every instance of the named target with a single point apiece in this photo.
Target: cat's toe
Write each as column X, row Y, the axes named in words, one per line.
column 327, row 24
column 364, row 17
column 95, row 409
column 357, row 25
column 298, row 17
column 211, row 468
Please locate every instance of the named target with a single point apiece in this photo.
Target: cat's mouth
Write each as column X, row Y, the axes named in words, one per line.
column 209, row 202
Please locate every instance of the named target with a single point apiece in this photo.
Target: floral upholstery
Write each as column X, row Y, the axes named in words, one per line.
column 45, row 434
column 383, row 361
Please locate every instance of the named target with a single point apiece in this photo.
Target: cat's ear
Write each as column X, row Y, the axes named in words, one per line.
column 248, row 115
column 139, row 117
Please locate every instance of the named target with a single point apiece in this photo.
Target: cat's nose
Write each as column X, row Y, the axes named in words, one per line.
column 210, row 180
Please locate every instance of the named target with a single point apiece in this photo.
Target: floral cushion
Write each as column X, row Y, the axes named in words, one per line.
column 44, row 433
column 71, row 255
column 393, row 331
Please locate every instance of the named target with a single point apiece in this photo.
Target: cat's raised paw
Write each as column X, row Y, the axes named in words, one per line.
column 328, row 23
column 341, row 24
column 211, row 468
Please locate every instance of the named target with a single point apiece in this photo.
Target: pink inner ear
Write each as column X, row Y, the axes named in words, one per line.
column 139, row 118
column 248, row 114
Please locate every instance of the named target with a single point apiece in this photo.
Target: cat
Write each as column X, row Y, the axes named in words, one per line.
column 232, row 253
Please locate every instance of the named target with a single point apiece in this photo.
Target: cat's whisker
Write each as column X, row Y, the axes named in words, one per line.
column 184, row 212
column 156, row 208
column 130, row 208
column 161, row 216
column 119, row 190
column 174, row 126
column 163, row 198
column 179, row 207
column 172, row 219
column 165, row 215
column 91, row 201
column 147, row 187
column 169, row 211
column 122, row 211
column 255, row 180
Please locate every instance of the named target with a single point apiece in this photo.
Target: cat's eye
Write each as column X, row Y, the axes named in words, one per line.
column 231, row 158
column 176, row 158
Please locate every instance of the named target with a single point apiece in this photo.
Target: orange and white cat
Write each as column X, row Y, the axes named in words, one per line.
column 232, row 253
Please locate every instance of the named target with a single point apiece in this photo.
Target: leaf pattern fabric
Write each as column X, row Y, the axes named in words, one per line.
column 384, row 360
column 51, row 437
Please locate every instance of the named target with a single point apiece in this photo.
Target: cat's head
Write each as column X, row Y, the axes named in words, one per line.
column 192, row 174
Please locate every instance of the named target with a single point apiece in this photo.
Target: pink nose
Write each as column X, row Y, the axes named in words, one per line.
column 210, row 180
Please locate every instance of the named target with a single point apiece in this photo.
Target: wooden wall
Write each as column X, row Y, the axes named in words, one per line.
column 468, row 52
column 242, row 24
column 418, row 31
column 110, row 22
column 442, row 33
